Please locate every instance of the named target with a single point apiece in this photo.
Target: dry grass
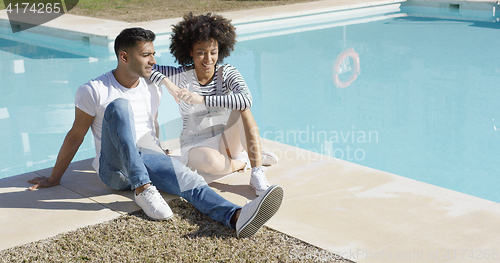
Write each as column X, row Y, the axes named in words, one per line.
column 147, row 10
column 189, row 237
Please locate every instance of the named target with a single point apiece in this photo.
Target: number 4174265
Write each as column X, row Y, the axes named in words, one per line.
column 34, row 8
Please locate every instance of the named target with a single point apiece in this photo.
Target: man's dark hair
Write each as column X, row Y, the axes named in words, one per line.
column 129, row 37
column 201, row 28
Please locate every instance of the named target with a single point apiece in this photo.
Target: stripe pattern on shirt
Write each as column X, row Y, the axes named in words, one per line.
column 235, row 92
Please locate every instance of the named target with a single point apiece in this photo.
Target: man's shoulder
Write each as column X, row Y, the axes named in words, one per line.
column 98, row 84
column 149, row 85
column 102, row 80
column 147, row 82
column 95, row 86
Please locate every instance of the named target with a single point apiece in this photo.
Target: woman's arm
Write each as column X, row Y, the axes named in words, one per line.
column 240, row 99
column 179, row 94
column 160, row 76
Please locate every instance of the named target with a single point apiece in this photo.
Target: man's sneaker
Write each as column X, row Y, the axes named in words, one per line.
column 269, row 158
column 153, row 204
column 258, row 180
column 256, row 213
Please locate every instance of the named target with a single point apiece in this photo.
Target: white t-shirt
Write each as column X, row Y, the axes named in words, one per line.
column 94, row 96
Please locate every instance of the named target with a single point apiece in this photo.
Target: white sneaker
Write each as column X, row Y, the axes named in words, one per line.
column 258, row 180
column 256, row 213
column 268, row 159
column 243, row 156
column 153, row 204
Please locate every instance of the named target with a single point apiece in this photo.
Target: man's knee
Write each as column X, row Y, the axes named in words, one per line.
column 119, row 105
column 113, row 178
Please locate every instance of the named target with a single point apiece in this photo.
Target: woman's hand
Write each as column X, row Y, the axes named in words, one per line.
column 190, row 97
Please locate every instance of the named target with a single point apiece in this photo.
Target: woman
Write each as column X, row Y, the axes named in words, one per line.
column 214, row 101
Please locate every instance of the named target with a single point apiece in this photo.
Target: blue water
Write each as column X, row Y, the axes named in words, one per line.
column 37, row 101
column 425, row 104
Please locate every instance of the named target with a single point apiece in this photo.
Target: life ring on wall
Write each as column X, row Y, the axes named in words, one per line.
column 355, row 69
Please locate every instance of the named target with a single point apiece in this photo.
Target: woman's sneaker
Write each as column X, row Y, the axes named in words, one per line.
column 256, row 213
column 243, row 157
column 258, row 180
column 153, row 204
column 268, row 159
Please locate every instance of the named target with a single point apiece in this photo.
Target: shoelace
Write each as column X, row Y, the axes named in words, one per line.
column 260, row 175
column 243, row 156
column 154, row 196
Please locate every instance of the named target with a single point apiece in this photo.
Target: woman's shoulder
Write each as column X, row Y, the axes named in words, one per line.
column 229, row 69
column 228, row 66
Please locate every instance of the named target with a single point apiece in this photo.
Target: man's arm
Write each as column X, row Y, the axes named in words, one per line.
column 157, row 127
column 70, row 146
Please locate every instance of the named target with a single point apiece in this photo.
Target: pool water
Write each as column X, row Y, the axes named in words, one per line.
column 37, row 101
column 425, row 104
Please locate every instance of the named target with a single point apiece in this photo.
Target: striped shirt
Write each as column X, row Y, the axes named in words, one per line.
column 235, row 92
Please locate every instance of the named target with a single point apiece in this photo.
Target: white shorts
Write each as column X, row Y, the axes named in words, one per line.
column 213, row 142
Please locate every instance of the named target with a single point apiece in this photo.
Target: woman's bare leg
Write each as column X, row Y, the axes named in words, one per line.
column 230, row 142
column 242, row 133
column 209, row 160
column 252, row 137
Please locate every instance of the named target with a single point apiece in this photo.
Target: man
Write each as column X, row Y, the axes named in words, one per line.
column 121, row 107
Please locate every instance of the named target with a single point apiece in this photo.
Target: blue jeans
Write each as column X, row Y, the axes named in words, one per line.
column 123, row 167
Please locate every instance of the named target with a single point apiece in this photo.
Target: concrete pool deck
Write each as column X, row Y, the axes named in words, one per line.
column 354, row 211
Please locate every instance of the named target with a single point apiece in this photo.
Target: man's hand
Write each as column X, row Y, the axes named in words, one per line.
column 41, row 182
column 70, row 146
column 190, row 97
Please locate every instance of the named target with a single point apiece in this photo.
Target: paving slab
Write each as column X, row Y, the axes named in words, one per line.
column 368, row 215
column 82, row 179
column 28, row 216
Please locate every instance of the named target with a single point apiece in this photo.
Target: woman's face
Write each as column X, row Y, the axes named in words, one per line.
column 205, row 56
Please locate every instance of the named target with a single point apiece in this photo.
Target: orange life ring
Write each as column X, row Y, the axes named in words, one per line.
column 355, row 69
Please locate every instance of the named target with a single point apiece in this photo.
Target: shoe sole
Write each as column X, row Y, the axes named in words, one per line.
column 267, row 208
column 160, row 219
column 150, row 217
column 270, row 155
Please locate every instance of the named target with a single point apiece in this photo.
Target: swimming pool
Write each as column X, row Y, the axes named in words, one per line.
column 424, row 105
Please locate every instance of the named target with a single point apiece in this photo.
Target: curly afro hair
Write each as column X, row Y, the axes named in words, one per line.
column 201, row 28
